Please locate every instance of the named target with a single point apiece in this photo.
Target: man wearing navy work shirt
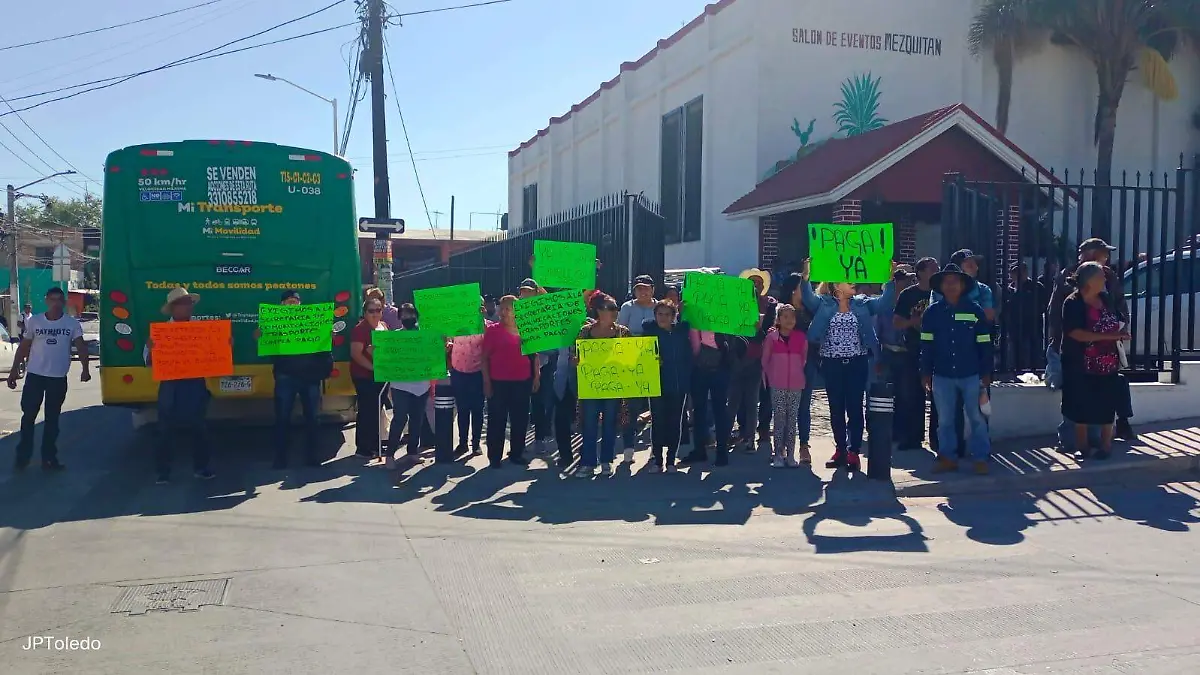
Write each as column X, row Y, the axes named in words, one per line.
column 956, row 364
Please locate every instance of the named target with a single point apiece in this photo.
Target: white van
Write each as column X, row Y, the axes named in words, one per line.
column 1156, row 296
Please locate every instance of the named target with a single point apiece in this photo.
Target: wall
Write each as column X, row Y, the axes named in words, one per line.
column 760, row 67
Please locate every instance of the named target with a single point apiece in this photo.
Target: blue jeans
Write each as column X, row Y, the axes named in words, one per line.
column 407, row 409
column 629, row 432
column 846, row 389
column 287, row 388
column 947, row 392
column 805, row 419
column 710, row 392
column 468, row 399
column 592, row 410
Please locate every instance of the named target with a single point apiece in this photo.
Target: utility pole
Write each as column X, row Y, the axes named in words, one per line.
column 14, row 287
column 376, row 17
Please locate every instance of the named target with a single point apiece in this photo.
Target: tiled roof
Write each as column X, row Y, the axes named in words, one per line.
column 709, row 10
column 833, row 163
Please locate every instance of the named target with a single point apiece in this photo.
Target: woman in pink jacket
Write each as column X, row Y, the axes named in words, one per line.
column 784, row 353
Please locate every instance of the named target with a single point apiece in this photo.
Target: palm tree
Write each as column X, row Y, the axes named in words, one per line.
column 1119, row 36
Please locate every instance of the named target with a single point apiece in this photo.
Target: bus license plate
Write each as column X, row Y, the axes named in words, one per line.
column 238, row 384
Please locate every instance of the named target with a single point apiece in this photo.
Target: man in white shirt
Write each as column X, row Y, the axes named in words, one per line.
column 47, row 345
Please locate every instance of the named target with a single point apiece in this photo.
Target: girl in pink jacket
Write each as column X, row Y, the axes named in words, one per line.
column 784, row 353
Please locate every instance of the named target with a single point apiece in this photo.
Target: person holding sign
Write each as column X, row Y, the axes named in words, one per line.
column 599, row 411
column 466, row 377
column 508, row 383
column 47, row 343
column 409, row 400
column 182, row 404
column 362, row 371
column 633, row 315
column 298, row 375
column 675, row 377
column 956, row 364
column 843, row 325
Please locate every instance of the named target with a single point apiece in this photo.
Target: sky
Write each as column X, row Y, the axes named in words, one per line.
column 472, row 84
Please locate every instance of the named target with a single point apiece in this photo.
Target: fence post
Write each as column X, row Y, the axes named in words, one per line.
column 1177, row 288
column 952, row 184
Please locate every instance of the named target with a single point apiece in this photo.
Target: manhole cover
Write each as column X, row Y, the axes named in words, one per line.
column 184, row 596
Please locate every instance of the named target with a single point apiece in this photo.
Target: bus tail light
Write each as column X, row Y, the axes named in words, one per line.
column 127, row 379
column 334, row 374
column 125, row 344
column 341, row 311
column 118, row 296
column 338, row 340
column 120, row 312
column 342, row 296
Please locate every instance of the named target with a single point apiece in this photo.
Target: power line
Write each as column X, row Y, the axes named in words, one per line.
column 69, row 186
column 448, row 9
column 117, row 25
column 187, row 25
column 416, row 174
column 202, row 56
column 45, row 143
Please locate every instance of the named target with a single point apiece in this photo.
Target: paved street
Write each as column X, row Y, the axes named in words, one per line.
column 337, row 570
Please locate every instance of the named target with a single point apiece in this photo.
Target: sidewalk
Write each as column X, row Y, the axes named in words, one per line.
column 1034, row 464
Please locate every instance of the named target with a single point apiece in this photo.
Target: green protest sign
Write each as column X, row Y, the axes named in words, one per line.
column 549, row 321
column 408, row 355
column 560, row 264
column 720, row 303
column 618, row 368
column 288, row 330
column 451, row 311
column 856, row 254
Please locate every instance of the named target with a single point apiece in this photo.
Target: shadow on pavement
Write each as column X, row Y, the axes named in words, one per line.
column 110, row 472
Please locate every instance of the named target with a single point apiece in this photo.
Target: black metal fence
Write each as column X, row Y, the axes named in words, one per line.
column 627, row 230
column 1038, row 224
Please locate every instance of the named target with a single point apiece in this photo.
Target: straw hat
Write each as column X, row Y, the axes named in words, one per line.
column 762, row 275
column 176, row 295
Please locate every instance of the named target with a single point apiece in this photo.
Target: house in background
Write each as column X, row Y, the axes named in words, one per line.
column 761, row 116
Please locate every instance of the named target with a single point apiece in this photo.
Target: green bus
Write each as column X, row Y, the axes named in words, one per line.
column 237, row 222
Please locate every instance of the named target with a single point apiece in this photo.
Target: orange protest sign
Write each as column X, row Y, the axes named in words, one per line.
column 189, row 349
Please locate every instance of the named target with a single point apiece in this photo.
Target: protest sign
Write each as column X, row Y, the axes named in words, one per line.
column 451, row 311
column 549, row 321
column 856, row 254
column 183, row 350
column 618, row 368
column 295, row 329
column 560, row 264
column 408, row 355
column 720, row 303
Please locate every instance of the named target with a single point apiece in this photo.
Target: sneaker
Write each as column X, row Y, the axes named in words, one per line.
column 585, row 471
column 606, row 470
column 52, row 465
column 476, row 450
column 204, row 474
column 945, row 465
column 982, row 468
column 837, row 461
column 749, row 447
column 792, row 464
column 671, row 468
column 495, row 465
column 853, row 463
column 777, row 463
column 519, row 461
column 694, row 458
column 162, row 479
column 1124, row 431
column 654, row 468
column 460, row 449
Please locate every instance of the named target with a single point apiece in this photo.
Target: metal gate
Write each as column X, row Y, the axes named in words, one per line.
column 627, row 230
column 1040, row 221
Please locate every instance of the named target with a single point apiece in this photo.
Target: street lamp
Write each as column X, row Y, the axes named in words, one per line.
column 11, row 231
column 331, row 101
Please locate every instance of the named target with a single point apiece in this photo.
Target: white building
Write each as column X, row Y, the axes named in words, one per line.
column 703, row 118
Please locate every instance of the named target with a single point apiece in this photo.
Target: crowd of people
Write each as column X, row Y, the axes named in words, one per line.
column 929, row 331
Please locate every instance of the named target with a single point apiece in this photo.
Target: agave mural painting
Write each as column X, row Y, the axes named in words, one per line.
column 858, row 111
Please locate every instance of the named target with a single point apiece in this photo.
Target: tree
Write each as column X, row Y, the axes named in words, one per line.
column 52, row 214
column 1119, row 36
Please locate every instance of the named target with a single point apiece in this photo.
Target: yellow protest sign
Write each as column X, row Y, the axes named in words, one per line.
column 618, row 368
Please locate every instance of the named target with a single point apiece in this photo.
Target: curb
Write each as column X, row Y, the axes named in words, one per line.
column 1052, row 480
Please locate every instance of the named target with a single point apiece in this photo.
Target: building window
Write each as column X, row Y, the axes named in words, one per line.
column 529, row 207
column 681, row 171
column 43, row 257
